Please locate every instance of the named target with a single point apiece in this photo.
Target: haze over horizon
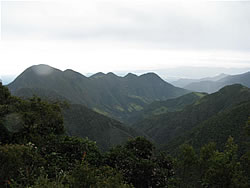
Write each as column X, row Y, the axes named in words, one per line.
column 175, row 39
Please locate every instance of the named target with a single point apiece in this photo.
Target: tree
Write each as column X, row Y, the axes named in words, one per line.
column 224, row 170
column 85, row 176
column 39, row 119
column 245, row 159
column 5, row 95
column 5, row 108
column 206, row 153
column 138, row 164
column 19, row 163
column 187, row 166
column 63, row 153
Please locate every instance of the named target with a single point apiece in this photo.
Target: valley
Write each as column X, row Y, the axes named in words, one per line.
column 107, row 116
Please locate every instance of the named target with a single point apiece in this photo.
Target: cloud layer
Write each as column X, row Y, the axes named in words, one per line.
column 165, row 24
column 124, row 35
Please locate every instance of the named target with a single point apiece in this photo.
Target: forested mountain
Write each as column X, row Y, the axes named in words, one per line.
column 204, row 117
column 162, row 107
column 106, row 132
column 83, row 122
column 213, row 86
column 36, row 153
column 109, row 94
column 217, row 129
column 183, row 82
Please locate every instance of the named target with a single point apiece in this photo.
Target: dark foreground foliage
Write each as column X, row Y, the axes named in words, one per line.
column 35, row 152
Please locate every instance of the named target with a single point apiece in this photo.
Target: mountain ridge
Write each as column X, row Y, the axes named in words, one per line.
column 168, row 127
column 84, row 122
column 115, row 96
column 213, row 86
column 183, row 82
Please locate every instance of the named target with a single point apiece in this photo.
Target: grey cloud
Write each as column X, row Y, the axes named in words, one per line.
column 227, row 26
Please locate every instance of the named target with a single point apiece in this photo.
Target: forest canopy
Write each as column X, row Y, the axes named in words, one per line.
column 36, row 152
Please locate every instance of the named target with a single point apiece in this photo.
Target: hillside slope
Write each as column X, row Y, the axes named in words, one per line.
column 170, row 126
column 84, row 122
column 162, row 107
column 109, row 94
column 217, row 129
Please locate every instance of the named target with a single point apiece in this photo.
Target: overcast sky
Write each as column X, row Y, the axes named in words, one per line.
column 125, row 35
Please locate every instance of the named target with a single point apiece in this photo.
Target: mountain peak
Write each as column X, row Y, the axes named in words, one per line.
column 131, row 75
column 111, row 74
column 42, row 69
column 73, row 73
column 98, row 75
column 236, row 87
column 151, row 76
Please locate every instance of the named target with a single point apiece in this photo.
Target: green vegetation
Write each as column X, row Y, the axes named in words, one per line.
column 36, row 153
column 48, row 143
column 214, row 118
column 139, row 164
column 134, row 107
column 163, row 107
column 106, row 132
column 119, row 108
column 101, row 112
column 81, row 121
column 211, row 168
column 100, row 91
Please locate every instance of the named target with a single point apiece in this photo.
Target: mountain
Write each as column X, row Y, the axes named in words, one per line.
column 213, row 86
column 48, row 95
column 162, row 107
column 168, row 128
column 217, row 129
column 108, row 94
column 84, row 122
column 183, row 82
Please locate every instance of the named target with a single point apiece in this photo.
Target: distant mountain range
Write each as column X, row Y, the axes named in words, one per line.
column 168, row 115
column 213, row 84
column 213, row 117
column 108, row 94
column 183, row 82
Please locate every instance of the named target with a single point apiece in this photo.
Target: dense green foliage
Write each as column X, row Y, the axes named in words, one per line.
column 211, row 168
column 162, row 107
column 83, row 122
column 217, row 129
column 139, row 165
column 36, row 153
column 212, row 136
column 212, row 118
column 111, row 95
